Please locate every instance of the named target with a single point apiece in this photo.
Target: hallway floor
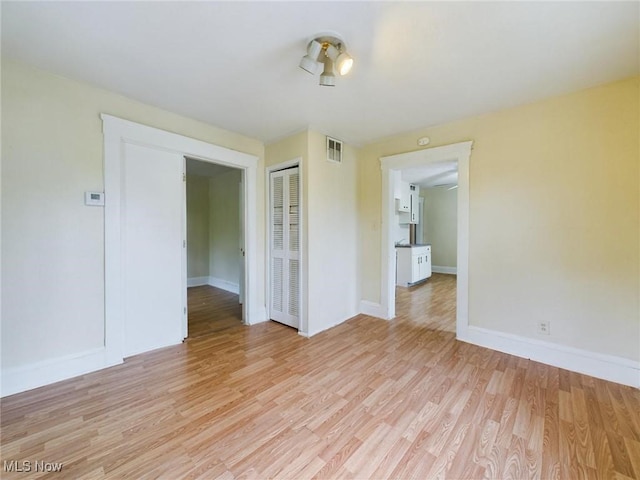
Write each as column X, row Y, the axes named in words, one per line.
column 211, row 310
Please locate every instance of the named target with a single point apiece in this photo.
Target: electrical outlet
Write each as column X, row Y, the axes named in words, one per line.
column 544, row 328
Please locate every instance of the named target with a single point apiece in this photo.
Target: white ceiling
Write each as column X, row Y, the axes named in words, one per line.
column 432, row 175
column 417, row 64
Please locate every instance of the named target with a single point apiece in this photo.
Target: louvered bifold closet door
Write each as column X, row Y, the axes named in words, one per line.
column 284, row 302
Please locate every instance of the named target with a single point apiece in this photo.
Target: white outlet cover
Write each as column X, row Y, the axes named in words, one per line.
column 544, row 328
column 423, row 141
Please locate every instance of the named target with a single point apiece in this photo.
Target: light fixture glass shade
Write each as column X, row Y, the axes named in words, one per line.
column 344, row 62
column 310, row 61
column 328, row 78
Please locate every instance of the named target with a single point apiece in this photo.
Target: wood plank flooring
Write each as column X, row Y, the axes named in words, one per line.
column 366, row 399
column 431, row 304
column 212, row 309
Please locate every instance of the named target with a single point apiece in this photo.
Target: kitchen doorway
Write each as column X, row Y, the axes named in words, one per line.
column 391, row 166
column 430, row 297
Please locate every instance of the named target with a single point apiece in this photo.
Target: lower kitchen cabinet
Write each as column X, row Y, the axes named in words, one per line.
column 413, row 264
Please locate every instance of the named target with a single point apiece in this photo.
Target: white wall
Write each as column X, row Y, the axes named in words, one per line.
column 53, row 245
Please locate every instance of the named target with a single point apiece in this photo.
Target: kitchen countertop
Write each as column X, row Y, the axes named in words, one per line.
column 406, row 245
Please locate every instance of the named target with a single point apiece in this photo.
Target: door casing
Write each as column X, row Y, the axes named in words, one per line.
column 303, row 327
column 461, row 153
column 118, row 132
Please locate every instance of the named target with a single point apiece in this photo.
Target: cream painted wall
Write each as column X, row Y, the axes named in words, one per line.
column 53, row 245
column 554, row 217
column 440, row 218
column 289, row 148
column 332, row 226
column 329, row 228
column 197, row 226
column 295, row 147
column 224, row 227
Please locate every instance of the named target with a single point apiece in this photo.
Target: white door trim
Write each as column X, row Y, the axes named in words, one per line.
column 117, row 132
column 460, row 152
column 303, row 327
column 185, row 280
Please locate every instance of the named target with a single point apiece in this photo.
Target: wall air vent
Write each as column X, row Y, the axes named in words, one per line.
column 334, row 150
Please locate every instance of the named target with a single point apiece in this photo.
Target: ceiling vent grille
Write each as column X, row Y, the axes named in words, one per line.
column 334, row 150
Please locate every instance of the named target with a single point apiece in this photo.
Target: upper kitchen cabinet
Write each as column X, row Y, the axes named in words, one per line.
column 409, row 204
column 407, row 200
column 415, row 204
column 403, row 197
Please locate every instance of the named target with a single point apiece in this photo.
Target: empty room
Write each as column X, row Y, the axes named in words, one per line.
column 296, row 240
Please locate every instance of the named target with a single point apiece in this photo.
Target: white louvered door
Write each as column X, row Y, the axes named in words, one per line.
column 284, row 301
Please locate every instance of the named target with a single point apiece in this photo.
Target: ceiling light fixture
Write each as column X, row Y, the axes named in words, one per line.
column 309, row 62
column 328, row 78
column 328, row 50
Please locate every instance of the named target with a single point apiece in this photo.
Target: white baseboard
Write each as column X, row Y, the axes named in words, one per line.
column 27, row 377
column 317, row 331
column 259, row 315
column 607, row 367
column 197, row 281
column 372, row 309
column 214, row 282
column 325, row 327
column 448, row 270
column 224, row 285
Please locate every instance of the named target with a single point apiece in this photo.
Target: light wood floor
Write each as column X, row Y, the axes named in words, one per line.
column 212, row 309
column 431, row 304
column 367, row 399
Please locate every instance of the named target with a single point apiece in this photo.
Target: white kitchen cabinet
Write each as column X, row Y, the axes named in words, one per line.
column 403, row 203
column 415, row 204
column 409, row 205
column 403, row 207
column 413, row 264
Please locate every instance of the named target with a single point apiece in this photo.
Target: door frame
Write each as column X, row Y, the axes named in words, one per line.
column 303, row 327
column 117, row 132
column 460, row 152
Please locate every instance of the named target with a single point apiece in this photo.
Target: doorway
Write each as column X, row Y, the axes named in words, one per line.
column 284, row 241
column 151, row 261
column 391, row 165
column 431, row 301
column 215, row 263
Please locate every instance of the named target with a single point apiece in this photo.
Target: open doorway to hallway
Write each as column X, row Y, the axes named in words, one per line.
column 214, row 247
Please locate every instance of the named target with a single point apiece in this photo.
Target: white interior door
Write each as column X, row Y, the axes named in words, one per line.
column 153, row 240
column 284, row 298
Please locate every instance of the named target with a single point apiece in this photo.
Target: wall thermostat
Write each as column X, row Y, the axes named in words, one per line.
column 94, row 198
